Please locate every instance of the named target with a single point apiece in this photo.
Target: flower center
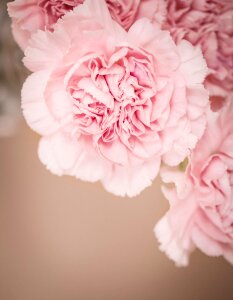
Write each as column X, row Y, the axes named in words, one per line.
column 113, row 97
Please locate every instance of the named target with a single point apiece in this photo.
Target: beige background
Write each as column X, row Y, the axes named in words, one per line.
column 62, row 239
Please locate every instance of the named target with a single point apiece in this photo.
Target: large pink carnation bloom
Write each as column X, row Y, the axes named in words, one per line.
column 30, row 15
column 208, row 23
column 201, row 204
column 112, row 104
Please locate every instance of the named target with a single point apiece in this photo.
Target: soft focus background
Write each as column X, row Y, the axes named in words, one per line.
column 12, row 75
column 62, row 239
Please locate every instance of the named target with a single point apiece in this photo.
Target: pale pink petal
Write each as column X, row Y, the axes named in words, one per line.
column 193, row 65
column 179, row 148
column 59, row 102
column 130, row 181
column 27, row 17
column 166, row 52
column 205, row 243
column 45, row 50
column 35, row 109
column 59, row 153
column 89, row 165
column 169, row 244
column 21, row 36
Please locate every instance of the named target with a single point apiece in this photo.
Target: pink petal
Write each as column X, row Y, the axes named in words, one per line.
column 193, row 65
column 34, row 107
column 59, row 153
column 59, row 102
column 112, row 150
column 164, row 51
column 130, row 181
column 90, row 166
column 169, row 244
column 206, row 244
column 45, row 50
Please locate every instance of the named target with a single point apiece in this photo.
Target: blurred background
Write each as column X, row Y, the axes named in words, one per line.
column 63, row 239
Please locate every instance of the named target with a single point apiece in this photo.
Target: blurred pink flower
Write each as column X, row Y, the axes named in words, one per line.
column 30, row 15
column 201, row 203
column 112, row 104
column 208, row 23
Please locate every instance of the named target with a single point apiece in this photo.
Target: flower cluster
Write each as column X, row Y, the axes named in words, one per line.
column 120, row 88
column 209, row 24
column 201, row 203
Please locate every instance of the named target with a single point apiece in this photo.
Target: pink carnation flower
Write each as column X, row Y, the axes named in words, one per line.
column 201, row 203
column 112, row 104
column 30, row 15
column 208, row 23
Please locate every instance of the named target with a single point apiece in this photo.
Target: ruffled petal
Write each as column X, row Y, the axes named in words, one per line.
column 59, row 153
column 193, row 65
column 35, row 109
column 130, row 181
column 46, row 49
column 169, row 244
